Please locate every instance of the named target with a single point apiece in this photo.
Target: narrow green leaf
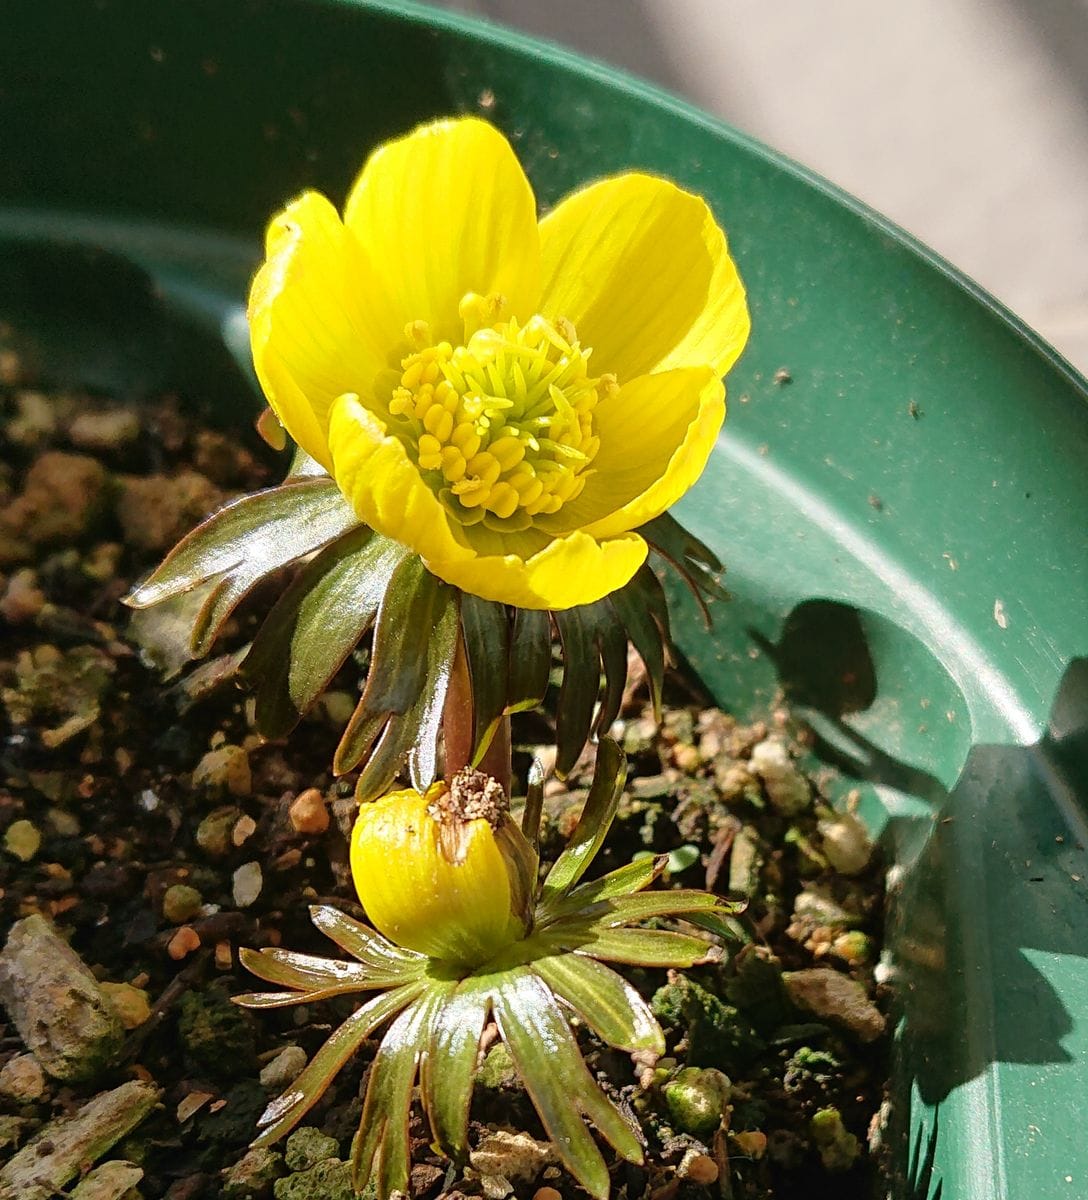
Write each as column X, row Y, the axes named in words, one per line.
column 624, row 881
column 696, row 563
column 534, row 803
column 426, row 714
column 530, row 659
column 581, row 682
column 612, row 641
column 609, row 776
column 414, row 641
column 305, row 972
column 406, row 619
column 643, row 612
column 242, row 543
column 263, row 1000
column 316, row 624
column 622, row 910
column 608, row 1004
column 164, row 632
column 723, row 924
column 486, row 629
column 413, row 736
column 640, row 947
column 448, row 1070
column 363, row 943
column 381, row 1144
column 557, row 1079
column 284, row 1113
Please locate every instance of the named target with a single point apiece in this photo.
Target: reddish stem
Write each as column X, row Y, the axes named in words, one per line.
column 458, row 725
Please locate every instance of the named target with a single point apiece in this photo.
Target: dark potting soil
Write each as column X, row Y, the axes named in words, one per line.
column 158, row 834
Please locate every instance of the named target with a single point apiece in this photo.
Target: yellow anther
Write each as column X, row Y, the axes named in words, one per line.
column 413, row 374
column 484, row 467
column 527, row 487
column 507, row 417
column 508, row 450
column 439, row 422
column 402, row 402
column 503, row 500
column 430, row 452
column 466, row 439
column 453, row 464
column 471, row 493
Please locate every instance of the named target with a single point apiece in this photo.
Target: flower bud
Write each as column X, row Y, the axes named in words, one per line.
column 447, row 873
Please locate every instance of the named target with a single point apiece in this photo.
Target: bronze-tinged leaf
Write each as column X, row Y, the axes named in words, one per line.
column 534, row 803
column 413, row 736
column 485, row 626
column 316, row 624
column 530, row 659
column 243, row 542
column 644, row 614
column 381, row 1146
column 284, row 1113
column 307, row 973
column 622, row 910
column 400, row 709
column 557, row 1079
column 696, row 563
column 448, row 1071
column 581, row 684
column 624, row 881
column 375, row 952
column 604, row 1000
column 639, row 947
column 609, row 776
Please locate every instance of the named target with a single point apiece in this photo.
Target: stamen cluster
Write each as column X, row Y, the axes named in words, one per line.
column 501, row 426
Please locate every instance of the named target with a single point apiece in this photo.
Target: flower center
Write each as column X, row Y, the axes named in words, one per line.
column 502, row 426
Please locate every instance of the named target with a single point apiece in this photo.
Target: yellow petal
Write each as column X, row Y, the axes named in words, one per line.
column 643, row 271
column 656, row 434
column 384, row 486
column 443, row 212
column 309, row 328
column 571, row 570
column 457, row 911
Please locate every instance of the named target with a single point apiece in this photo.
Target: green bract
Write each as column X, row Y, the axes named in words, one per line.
column 438, row 1013
column 352, row 580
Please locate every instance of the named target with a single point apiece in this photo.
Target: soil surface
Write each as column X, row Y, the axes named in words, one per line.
column 156, row 833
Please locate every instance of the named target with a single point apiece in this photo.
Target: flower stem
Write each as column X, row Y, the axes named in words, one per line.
column 458, row 719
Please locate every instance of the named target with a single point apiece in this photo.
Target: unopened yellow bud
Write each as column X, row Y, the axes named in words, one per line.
column 448, row 872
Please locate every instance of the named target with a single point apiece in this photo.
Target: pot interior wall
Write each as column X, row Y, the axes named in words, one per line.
column 900, row 493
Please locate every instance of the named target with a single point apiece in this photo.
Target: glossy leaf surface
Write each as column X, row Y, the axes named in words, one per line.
column 284, row 1113
column 485, row 627
column 449, row 1068
column 381, row 1146
column 609, row 776
column 557, row 1079
column 316, row 624
column 607, row 1003
column 242, row 543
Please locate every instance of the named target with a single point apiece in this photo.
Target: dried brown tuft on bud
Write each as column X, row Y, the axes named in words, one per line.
column 472, row 795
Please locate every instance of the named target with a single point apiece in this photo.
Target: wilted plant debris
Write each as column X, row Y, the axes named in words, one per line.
column 156, row 833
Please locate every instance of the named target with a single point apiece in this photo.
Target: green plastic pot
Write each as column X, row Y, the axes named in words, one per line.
column 904, row 518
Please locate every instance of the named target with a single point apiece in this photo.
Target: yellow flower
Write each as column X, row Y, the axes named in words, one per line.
column 510, row 399
column 447, row 872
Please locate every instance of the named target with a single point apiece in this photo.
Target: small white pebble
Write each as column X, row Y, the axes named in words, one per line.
column 246, row 884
